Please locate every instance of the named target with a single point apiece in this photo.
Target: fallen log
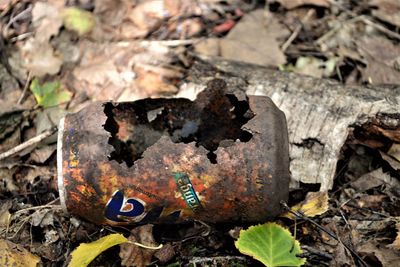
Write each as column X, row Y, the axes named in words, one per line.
column 321, row 114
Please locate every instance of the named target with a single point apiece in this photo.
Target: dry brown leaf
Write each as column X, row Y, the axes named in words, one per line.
column 46, row 18
column 114, row 22
column 289, row 4
column 45, row 173
column 7, row 183
column 5, row 4
column 124, row 71
column 208, row 47
column 166, row 253
column 156, row 80
column 105, row 70
column 387, row 257
column 40, row 58
column 43, row 218
column 9, row 93
column 255, row 40
column 178, row 8
column 342, row 36
column 112, row 12
column 135, row 256
column 126, row 20
column 342, row 257
column 373, row 179
column 387, row 10
column 148, row 15
column 111, row 21
column 379, row 48
column 381, row 55
column 371, row 201
column 40, row 155
column 378, row 73
column 368, row 227
column 14, row 255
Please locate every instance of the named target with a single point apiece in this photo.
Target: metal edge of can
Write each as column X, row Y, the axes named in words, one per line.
column 60, row 178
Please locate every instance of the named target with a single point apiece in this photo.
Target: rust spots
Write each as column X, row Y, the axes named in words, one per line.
column 213, row 118
column 146, row 161
column 86, row 190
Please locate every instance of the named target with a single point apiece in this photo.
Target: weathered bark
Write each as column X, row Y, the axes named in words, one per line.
column 320, row 113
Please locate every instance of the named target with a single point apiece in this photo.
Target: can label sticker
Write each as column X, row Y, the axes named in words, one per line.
column 187, row 190
column 119, row 208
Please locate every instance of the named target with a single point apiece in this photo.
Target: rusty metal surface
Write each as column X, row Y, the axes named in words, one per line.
column 215, row 159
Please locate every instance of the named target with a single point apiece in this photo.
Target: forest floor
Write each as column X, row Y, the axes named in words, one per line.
column 57, row 57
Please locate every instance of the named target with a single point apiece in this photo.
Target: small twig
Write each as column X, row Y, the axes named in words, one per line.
column 38, row 208
column 364, row 209
column 334, row 30
column 339, row 73
column 345, row 220
column 21, row 37
column 320, row 227
column 28, row 79
column 297, row 30
column 28, row 143
column 20, row 15
column 379, row 27
column 24, row 221
column 367, row 20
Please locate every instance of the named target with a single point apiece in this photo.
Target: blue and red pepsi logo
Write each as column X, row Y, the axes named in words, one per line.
column 120, row 209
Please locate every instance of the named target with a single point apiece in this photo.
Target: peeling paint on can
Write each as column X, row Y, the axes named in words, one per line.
column 214, row 159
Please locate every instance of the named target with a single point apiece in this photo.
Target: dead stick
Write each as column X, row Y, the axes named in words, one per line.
column 28, row 143
column 297, row 30
column 367, row 20
column 28, row 79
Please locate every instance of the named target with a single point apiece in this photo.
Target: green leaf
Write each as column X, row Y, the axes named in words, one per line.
column 78, row 20
column 86, row 252
column 49, row 94
column 271, row 244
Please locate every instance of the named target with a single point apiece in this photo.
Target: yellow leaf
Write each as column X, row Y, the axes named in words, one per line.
column 316, row 203
column 86, row 252
column 16, row 256
column 78, row 20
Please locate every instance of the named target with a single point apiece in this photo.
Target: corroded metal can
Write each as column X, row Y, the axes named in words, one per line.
column 215, row 159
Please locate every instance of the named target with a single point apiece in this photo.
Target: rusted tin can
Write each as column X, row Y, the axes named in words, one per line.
column 215, row 159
